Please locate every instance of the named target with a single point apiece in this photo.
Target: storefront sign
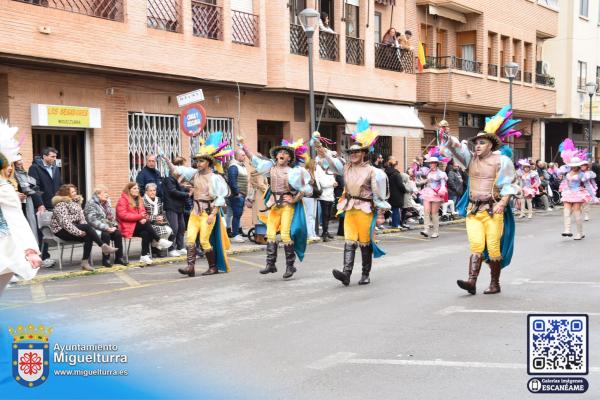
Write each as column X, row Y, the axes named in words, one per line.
column 192, row 119
column 65, row 116
column 190, row 97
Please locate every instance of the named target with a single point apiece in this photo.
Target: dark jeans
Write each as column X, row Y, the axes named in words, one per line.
column 117, row 239
column 396, row 217
column 237, row 207
column 91, row 237
column 325, row 215
column 147, row 234
column 177, row 223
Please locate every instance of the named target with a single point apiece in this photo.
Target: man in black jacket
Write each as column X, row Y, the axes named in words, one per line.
column 174, row 200
column 397, row 191
column 47, row 175
column 455, row 183
column 149, row 174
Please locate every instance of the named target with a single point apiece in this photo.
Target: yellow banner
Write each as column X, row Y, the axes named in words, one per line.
column 68, row 116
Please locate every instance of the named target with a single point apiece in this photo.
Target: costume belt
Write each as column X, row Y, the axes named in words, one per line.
column 368, row 199
column 477, row 204
column 278, row 196
column 209, row 202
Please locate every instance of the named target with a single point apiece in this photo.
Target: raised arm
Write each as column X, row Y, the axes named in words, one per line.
column 457, row 150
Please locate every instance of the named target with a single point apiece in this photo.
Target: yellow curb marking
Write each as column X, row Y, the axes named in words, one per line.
column 410, row 237
column 127, row 279
column 38, row 293
column 331, row 247
column 239, row 260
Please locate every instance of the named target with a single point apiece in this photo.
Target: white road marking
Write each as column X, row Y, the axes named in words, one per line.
column 38, row 293
column 332, row 360
column 459, row 309
column 127, row 279
column 522, row 281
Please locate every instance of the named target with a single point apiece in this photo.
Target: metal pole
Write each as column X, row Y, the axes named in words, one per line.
column 311, row 88
column 510, row 81
column 590, row 132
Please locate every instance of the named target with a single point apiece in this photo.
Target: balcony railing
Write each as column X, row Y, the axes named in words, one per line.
column 164, row 15
column 207, row 20
column 328, row 46
column 455, row 63
column 492, row 70
column 355, row 51
column 544, row 80
column 298, row 43
column 106, row 9
column 244, row 28
column 394, row 59
column 527, row 77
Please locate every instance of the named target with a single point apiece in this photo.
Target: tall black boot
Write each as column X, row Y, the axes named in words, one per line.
column 474, row 268
column 494, row 288
column 367, row 260
column 290, row 257
column 191, row 261
column 349, row 253
column 212, row 263
column 271, row 258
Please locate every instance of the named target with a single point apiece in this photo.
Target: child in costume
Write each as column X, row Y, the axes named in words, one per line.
column 209, row 191
column 363, row 202
column 289, row 183
column 530, row 182
column 434, row 194
column 19, row 252
column 573, row 187
column 489, row 219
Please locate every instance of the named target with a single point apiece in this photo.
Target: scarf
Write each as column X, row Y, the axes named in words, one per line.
column 153, row 203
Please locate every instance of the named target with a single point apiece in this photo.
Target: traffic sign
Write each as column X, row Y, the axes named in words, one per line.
column 192, row 119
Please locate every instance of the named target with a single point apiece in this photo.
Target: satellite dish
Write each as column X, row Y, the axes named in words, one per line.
column 545, row 68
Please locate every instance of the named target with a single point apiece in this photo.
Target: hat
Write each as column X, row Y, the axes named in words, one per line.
column 364, row 138
column 524, row 163
column 443, row 123
column 576, row 162
column 295, row 149
column 9, row 146
column 570, row 155
column 432, row 159
column 499, row 128
column 214, row 150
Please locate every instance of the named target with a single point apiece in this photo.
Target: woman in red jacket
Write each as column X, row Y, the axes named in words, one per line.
column 133, row 221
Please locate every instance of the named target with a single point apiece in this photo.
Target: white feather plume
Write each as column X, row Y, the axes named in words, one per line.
column 9, row 144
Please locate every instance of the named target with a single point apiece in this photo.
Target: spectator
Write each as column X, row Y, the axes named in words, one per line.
column 68, row 223
column 47, row 175
column 378, row 162
column 133, row 220
column 389, row 39
column 404, row 40
column 100, row 215
column 328, row 184
column 238, row 185
column 397, row 191
column 29, row 194
column 310, row 202
column 545, row 190
column 455, row 183
column 324, row 23
column 156, row 214
column 408, row 206
column 149, row 174
column 255, row 200
column 174, row 206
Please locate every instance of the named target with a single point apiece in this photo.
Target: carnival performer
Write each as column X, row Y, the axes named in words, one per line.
column 283, row 200
column 573, row 187
column 530, row 182
column 363, row 202
column 434, row 194
column 591, row 187
column 19, row 253
column 489, row 222
column 209, row 191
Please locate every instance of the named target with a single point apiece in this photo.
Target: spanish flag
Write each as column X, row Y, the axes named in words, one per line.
column 421, row 57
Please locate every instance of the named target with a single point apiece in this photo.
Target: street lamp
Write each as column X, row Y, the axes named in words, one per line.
column 510, row 70
column 591, row 89
column 309, row 19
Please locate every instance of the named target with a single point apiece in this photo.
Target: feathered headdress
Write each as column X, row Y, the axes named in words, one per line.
column 9, row 145
column 572, row 156
column 215, row 150
column 434, row 155
column 499, row 128
column 364, row 137
column 297, row 150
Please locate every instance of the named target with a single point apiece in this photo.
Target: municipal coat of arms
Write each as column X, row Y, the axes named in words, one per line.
column 30, row 354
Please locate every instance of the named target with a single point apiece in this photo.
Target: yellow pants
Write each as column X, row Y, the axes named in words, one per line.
column 280, row 219
column 197, row 225
column 357, row 226
column 485, row 231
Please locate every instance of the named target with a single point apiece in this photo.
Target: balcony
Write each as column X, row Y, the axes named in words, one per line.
column 207, row 20
column 298, row 43
column 328, row 46
column 106, row 9
column 394, row 59
column 518, row 76
column 527, row 77
column 355, row 51
column 244, row 28
column 164, row 15
column 454, row 63
column 544, row 80
column 492, row 70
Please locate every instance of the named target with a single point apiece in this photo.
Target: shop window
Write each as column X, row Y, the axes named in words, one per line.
column 148, row 134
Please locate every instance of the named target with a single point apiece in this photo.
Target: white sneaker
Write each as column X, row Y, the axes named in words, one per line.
column 14, row 279
column 174, row 253
column 182, row 252
column 48, row 263
column 237, row 239
column 314, row 238
column 162, row 244
column 146, row 260
column 586, row 218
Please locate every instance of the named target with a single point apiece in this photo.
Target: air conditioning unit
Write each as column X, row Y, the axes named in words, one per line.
column 542, row 68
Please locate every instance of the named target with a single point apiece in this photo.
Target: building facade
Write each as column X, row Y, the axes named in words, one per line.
column 467, row 44
column 574, row 57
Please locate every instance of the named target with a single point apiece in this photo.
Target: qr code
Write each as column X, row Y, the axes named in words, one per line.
column 557, row 344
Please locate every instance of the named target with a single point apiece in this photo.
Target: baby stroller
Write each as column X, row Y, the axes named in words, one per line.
column 258, row 234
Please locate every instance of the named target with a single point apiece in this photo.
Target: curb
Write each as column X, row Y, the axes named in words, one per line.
column 169, row 260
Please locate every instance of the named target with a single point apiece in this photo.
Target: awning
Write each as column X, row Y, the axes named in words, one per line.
column 386, row 2
column 447, row 13
column 387, row 119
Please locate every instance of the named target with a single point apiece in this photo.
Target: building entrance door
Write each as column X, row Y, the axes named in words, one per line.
column 270, row 134
column 71, row 153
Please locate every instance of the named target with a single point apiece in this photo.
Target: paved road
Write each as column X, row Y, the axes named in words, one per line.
column 411, row 334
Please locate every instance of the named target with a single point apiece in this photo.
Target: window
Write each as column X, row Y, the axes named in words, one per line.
column 164, row 15
column 326, row 6
column 296, row 6
column 597, row 79
column 581, row 75
column 583, row 8
column 377, row 27
column 352, row 18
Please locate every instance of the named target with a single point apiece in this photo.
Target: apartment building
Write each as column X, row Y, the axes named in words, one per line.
column 98, row 80
column 574, row 57
column 467, row 44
